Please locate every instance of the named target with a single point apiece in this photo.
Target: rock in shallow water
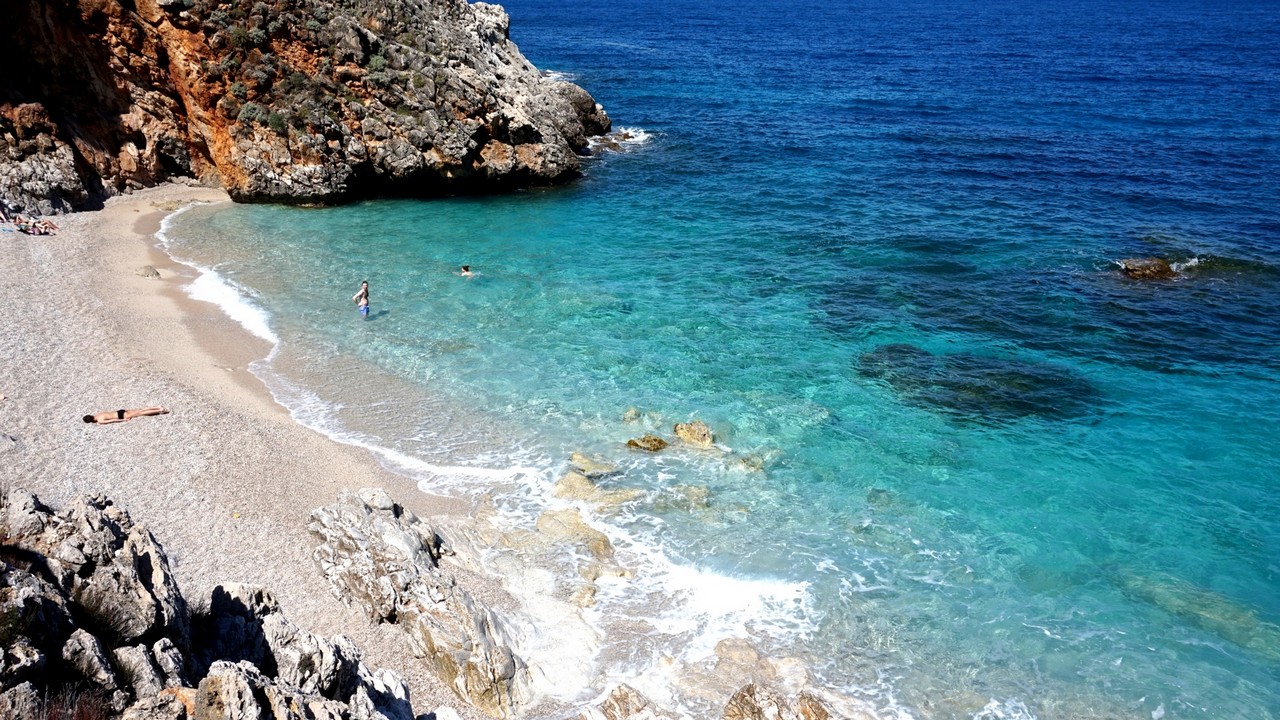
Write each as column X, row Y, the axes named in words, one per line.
column 648, row 443
column 696, row 433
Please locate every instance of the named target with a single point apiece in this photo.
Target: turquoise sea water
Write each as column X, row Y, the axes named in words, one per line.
column 968, row 470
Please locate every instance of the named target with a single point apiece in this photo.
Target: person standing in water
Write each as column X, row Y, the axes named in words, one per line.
column 361, row 299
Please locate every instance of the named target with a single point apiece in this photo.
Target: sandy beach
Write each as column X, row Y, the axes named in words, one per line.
column 228, row 480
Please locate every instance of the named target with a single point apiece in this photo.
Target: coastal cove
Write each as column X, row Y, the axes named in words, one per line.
column 964, row 464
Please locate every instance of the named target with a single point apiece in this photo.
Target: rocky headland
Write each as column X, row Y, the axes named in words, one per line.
column 290, row 101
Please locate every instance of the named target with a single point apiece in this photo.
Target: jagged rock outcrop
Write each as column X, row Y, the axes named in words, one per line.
column 623, row 703
column 378, row 554
column 113, row 570
column 754, row 702
column 92, row 625
column 296, row 101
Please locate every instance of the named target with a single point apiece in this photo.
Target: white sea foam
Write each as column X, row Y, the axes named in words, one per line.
column 211, row 287
column 623, row 139
column 557, row 76
column 1008, row 709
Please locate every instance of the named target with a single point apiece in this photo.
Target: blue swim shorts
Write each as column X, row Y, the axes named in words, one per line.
column 364, row 310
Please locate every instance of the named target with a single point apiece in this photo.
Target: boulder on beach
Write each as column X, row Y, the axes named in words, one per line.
column 1151, row 268
column 149, row 272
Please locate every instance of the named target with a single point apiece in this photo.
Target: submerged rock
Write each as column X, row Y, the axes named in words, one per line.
column 576, row 486
column 979, row 388
column 568, row 526
column 1152, row 268
column 1206, row 610
column 591, row 467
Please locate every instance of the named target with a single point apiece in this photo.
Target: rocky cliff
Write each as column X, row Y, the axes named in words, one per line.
column 295, row 101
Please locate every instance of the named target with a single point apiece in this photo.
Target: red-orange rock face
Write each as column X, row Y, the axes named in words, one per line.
column 299, row 101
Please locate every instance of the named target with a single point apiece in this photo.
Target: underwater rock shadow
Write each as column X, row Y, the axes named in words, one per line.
column 978, row 388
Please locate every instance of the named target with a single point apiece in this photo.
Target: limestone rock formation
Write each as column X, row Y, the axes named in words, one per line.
column 593, row 468
column 753, row 702
column 297, row 101
column 74, row 589
column 381, row 556
column 623, row 703
column 114, row 569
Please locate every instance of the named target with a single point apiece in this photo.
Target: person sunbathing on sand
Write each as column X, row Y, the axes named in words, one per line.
column 34, row 227
column 115, row 416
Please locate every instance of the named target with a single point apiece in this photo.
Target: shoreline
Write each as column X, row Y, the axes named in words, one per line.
column 227, row 482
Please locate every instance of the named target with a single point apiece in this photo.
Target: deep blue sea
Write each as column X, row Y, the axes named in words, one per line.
column 967, row 469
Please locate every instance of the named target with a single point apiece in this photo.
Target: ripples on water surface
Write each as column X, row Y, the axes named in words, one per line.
column 873, row 245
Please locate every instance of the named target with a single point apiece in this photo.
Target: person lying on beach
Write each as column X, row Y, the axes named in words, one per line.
column 34, row 227
column 115, row 416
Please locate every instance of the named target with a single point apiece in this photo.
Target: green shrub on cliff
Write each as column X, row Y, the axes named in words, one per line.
column 252, row 113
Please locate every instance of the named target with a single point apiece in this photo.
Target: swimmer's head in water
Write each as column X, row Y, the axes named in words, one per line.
column 466, row 268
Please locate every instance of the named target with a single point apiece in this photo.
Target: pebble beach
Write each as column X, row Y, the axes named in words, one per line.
column 227, row 480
